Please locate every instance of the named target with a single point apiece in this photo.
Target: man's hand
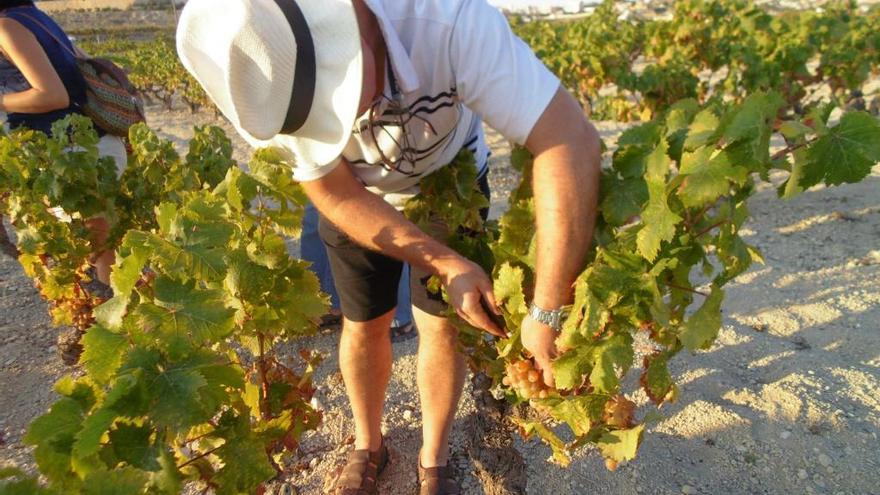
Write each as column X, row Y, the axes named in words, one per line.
column 466, row 284
column 540, row 340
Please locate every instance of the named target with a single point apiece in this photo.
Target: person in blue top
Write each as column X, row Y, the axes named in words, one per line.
column 48, row 85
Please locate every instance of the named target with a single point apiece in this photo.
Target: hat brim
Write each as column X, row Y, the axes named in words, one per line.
column 260, row 96
column 339, row 82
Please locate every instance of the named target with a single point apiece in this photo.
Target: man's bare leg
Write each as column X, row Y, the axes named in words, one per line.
column 365, row 361
column 440, row 376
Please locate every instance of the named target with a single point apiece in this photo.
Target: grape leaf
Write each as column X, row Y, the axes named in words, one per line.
column 176, row 399
column 708, row 176
column 750, row 120
column 509, row 288
column 307, row 302
column 120, row 481
column 517, row 232
column 793, row 129
column 747, row 129
column 103, row 352
column 578, row 412
column 111, row 313
column 62, row 421
column 658, row 221
column 586, row 318
column 132, row 444
column 529, row 428
column 680, row 115
column 53, row 459
column 643, row 135
column 845, row 154
column 81, row 390
column 611, row 355
column 621, row 445
column 88, row 440
column 569, row 368
column 655, row 379
column 700, row 330
column 183, row 312
column 204, row 233
column 166, row 213
column 629, row 161
column 127, row 271
column 702, row 130
column 245, row 465
column 792, row 187
column 623, row 199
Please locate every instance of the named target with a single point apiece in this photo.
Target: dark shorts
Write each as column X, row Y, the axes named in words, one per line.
column 367, row 281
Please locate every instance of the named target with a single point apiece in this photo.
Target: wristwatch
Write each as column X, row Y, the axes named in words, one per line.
column 553, row 319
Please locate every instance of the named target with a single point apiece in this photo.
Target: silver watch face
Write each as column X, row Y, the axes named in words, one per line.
column 553, row 319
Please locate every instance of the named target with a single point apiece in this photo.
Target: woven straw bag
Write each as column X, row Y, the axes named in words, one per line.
column 112, row 102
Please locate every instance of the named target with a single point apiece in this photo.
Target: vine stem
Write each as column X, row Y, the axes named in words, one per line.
column 200, row 456
column 203, row 435
column 699, row 215
column 789, row 149
column 707, row 229
column 264, row 381
column 686, row 289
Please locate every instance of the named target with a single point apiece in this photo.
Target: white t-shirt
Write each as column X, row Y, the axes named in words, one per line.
column 455, row 62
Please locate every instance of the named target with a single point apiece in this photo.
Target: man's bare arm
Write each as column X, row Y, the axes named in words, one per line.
column 566, row 183
column 371, row 222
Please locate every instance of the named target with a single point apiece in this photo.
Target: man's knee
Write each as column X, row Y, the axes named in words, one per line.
column 435, row 328
column 370, row 330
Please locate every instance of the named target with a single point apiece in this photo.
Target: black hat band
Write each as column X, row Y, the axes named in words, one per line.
column 303, row 91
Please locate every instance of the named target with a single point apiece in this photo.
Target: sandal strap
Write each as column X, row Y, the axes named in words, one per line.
column 359, row 475
column 438, row 480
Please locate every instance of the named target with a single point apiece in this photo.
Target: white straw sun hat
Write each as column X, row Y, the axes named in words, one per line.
column 286, row 73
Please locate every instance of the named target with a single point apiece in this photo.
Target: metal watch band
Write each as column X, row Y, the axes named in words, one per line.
column 552, row 318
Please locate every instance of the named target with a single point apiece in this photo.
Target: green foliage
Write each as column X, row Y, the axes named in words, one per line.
column 182, row 382
column 632, row 69
column 673, row 203
column 438, row 209
column 153, row 68
column 54, row 188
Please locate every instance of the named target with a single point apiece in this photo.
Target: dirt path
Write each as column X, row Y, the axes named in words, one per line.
column 787, row 401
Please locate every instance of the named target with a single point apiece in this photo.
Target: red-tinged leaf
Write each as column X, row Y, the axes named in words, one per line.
column 655, row 379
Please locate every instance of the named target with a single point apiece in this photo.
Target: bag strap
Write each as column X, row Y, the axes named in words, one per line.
column 47, row 30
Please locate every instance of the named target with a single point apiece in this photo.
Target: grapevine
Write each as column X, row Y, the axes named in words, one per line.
column 182, row 375
column 673, row 201
column 183, row 381
column 631, row 69
column 154, row 69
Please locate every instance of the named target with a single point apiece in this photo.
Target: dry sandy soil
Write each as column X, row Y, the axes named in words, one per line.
column 786, row 402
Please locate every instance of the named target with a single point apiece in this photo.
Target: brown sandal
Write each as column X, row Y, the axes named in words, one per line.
column 359, row 475
column 438, row 480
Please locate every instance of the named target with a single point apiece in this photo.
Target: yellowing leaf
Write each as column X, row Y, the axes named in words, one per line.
column 621, row 445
